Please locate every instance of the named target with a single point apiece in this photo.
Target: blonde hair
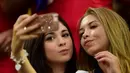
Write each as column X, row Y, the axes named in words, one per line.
column 118, row 34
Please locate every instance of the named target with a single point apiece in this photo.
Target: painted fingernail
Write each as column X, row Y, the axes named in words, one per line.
column 6, row 49
column 95, row 57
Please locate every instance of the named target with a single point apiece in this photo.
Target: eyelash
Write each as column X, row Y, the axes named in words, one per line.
column 92, row 27
column 65, row 35
column 50, row 38
column 80, row 35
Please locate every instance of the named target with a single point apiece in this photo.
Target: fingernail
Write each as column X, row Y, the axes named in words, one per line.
column 6, row 49
column 34, row 15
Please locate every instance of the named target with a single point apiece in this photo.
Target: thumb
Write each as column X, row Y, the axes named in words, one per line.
column 102, row 66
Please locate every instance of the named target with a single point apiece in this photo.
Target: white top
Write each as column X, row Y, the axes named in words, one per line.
column 82, row 71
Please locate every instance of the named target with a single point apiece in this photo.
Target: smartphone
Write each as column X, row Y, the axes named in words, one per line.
column 48, row 22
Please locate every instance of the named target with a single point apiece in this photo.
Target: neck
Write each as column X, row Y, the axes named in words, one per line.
column 58, row 67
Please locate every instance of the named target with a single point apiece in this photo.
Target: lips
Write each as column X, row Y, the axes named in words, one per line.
column 64, row 51
column 88, row 43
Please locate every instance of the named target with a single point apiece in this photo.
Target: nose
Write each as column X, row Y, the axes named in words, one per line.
column 86, row 34
column 61, row 41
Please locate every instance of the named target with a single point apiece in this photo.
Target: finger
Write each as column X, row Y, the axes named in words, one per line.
column 104, row 54
column 107, row 58
column 2, row 41
column 21, row 18
column 103, row 66
column 28, row 29
column 8, row 46
column 5, row 43
column 104, row 62
column 101, row 55
column 6, row 49
column 104, row 59
column 9, row 49
column 37, row 31
column 27, row 37
column 26, row 21
column 107, row 55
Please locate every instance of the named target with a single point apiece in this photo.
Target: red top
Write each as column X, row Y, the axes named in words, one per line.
column 5, row 24
column 72, row 10
column 6, row 64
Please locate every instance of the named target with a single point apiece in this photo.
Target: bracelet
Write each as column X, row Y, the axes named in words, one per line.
column 19, row 61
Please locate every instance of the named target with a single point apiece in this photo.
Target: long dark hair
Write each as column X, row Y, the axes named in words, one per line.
column 37, row 56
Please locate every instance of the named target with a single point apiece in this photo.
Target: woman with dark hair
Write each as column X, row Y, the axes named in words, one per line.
column 105, row 42
column 48, row 42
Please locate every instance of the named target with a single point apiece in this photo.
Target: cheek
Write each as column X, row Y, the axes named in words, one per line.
column 69, row 43
column 50, row 50
column 103, row 40
column 81, row 42
column 99, row 34
column 102, row 35
column 95, row 33
column 49, row 46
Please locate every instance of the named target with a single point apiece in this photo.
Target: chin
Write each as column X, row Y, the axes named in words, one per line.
column 90, row 52
column 65, row 58
column 93, row 50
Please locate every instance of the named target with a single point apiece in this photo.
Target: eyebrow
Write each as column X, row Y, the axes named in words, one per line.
column 64, row 30
column 89, row 24
column 50, row 33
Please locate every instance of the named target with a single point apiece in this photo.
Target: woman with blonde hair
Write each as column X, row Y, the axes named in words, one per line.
column 105, row 42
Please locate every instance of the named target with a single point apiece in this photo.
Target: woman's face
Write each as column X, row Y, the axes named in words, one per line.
column 58, row 45
column 93, row 36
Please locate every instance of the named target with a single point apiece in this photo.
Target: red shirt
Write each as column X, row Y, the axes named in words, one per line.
column 5, row 24
column 6, row 64
column 72, row 10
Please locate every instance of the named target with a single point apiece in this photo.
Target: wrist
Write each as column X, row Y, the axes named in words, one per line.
column 18, row 53
column 19, row 58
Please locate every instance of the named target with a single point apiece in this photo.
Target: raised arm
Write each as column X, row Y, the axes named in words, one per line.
column 21, row 32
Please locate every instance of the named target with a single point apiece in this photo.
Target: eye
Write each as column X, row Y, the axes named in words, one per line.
column 93, row 26
column 66, row 35
column 49, row 38
column 81, row 31
column 80, row 34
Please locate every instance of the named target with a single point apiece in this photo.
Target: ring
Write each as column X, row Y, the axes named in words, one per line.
column 25, row 28
column 49, row 27
column 42, row 29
